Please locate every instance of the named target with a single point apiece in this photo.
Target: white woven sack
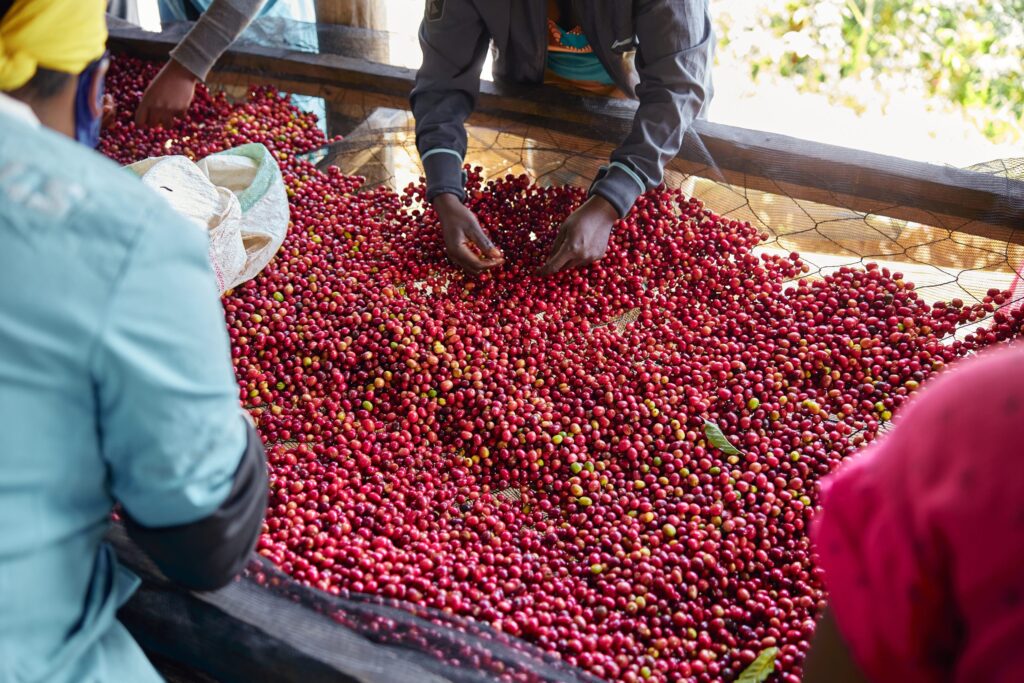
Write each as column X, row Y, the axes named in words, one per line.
column 252, row 175
column 237, row 196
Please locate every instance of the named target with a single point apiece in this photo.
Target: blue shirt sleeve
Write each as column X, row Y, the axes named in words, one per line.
column 169, row 417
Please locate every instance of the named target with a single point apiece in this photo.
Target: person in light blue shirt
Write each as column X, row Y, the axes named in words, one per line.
column 116, row 383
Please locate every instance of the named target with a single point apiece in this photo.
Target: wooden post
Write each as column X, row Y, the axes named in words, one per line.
column 371, row 14
column 368, row 14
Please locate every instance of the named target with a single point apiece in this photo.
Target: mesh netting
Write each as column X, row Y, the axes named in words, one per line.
column 462, row 439
column 267, row 626
column 947, row 258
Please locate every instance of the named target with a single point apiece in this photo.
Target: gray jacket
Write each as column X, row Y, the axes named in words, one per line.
column 214, row 31
column 673, row 43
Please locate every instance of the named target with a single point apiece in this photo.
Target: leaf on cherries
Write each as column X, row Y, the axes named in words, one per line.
column 761, row 668
column 717, row 439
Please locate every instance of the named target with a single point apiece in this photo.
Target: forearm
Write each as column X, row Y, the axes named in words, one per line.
column 206, row 554
column 675, row 85
column 215, row 31
column 447, row 84
column 441, row 140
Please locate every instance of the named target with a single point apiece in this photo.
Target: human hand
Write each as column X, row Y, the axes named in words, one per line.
column 109, row 111
column 583, row 237
column 168, row 96
column 461, row 231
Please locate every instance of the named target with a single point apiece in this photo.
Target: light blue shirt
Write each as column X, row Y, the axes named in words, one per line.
column 115, row 385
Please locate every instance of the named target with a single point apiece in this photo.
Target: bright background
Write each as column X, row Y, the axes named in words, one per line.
column 930, row 80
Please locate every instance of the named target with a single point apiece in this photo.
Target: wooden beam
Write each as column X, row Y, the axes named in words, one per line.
column 855, row 179
column 881, row 183
column 360, row 13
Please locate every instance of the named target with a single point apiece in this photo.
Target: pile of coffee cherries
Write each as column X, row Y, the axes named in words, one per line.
column 212, row 124
column 618, row 464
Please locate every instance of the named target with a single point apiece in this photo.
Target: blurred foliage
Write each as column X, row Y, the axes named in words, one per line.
column 968, row 53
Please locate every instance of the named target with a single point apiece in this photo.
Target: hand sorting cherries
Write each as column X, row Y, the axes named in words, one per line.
column 618, row 463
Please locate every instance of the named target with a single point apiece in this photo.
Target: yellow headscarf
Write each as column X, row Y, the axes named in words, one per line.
column 62, row 35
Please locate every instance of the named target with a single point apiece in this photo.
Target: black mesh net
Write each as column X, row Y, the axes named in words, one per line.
column 668, row 607
column 267, row 626
column 946, row 257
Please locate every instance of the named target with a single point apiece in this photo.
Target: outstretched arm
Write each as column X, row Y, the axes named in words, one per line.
column 171, row 92
column 674, row 63
column 454, row 42
column 673, row 60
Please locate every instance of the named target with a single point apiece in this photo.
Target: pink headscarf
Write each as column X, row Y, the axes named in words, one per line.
column 921, row 536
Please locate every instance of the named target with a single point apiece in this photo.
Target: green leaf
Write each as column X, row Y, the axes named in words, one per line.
column 761, row 668
column 717, row 439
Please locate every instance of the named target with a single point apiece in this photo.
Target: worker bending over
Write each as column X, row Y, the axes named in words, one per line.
column 657, row 51
column 116, row 383
column 218, row 24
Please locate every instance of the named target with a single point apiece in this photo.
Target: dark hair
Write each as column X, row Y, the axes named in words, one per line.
column 45, row 84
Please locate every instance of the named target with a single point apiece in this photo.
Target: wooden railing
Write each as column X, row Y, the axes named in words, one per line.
column 971, row 202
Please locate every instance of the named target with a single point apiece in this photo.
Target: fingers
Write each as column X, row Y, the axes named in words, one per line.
column 484, row 243
column 142, row 115
column 152, row 116
column 163, row 117
column 461, row 253
column 561, row 256
column 466, row 244
column 559, row 241
column 109, row 111
column 153, row 112
column 462, row 256
column 556, row 250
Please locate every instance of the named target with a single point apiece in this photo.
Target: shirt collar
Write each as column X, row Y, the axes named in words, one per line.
column 17, row 110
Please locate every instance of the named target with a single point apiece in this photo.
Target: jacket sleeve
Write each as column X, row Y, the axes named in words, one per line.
column 209, row 552
column 454, row 41
column 180, row 459
column 220, row 25
column 673, row 60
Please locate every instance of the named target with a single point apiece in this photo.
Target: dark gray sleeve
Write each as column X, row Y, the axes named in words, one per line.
column 206, row 554
column 219, row 26
column 673, row 60
column 454, row 41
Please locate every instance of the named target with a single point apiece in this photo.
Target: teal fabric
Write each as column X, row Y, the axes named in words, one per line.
column 115, row 385
column 577, row 66
column 298, row 10
column 266, row 172
column 577, row 41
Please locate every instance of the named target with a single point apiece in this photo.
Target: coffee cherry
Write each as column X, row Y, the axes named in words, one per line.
column 533, row 452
